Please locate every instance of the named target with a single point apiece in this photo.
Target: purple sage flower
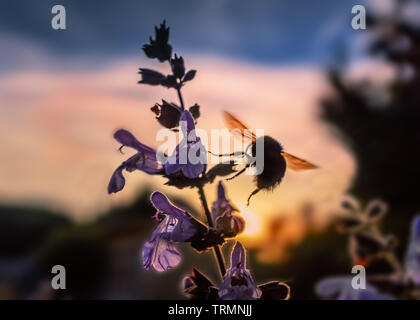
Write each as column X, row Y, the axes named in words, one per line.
column 222, row 210
column 413, row 252
column 144, row 160
column 238, row 283
column 177, row 226
column 341, row 289
column 190, row 156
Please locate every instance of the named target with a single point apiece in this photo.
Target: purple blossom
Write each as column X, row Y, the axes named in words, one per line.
column 190, row 156
column 341, row 289
column 238, row 283
column 177, row 226
column 222, row 210
column 197, row 286
column 144, row 160
column 413, row 252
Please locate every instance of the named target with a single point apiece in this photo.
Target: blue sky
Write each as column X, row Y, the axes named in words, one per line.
column 267, row 31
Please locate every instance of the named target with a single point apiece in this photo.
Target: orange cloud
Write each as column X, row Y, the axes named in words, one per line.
column 56, row 132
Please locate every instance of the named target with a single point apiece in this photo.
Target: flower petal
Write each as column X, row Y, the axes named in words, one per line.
column 221, row 211
column 145, row 160
column 371, row 294
column 238, row 283
column 162, row 204
column 331, row 286
column 413, row 252
column 148, row 163
column 160, row 254
column 221, row 196
column 126, row 138
column 238, row 256
column 192, row 171
column 171, row 168
column 190, row 158
column 188, row 126
column 341, row 288
column 117, row 181
column 238, row 225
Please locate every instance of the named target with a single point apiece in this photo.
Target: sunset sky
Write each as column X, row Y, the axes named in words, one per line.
column 56, row 133
column 64, row 93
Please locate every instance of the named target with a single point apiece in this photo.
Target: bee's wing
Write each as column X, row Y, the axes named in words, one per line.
column 235, row 125
column 296, row 163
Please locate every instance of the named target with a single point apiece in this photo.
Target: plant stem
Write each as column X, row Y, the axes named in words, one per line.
column 180, row 98
column 390, row 256
column 393, row 261
column 178, row 90
column 216, row 249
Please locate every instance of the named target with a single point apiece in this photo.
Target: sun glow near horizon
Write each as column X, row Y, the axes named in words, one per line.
column 253, row 224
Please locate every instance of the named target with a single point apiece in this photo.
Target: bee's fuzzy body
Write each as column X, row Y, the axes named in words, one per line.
column 274, row 163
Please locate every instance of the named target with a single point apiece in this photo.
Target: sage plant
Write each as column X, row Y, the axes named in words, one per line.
column 174, row 224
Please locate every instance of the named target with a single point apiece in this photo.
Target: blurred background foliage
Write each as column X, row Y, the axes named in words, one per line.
column 384, row 134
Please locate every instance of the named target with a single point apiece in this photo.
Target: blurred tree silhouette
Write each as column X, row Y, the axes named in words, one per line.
column 23, row 229
column 384, row 137
column 83, row 254
column 319, row 255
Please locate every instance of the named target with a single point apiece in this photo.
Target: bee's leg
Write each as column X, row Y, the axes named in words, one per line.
column 238, row 173
column 233, row 154
column 252, row 194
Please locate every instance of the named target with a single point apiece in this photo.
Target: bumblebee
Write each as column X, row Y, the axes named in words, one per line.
column 276, row 160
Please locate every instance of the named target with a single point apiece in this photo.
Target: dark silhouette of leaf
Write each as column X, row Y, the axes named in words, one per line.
column 178, row 67
column 159, row 47
column 170, row 82
column 274, row 290
column 151, row 77
column 197, row 286
column 210, row 239
column 195, row 111
column 189, row 76
column 168, row 114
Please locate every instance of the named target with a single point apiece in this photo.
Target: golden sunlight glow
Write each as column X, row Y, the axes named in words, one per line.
column 253, row 223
